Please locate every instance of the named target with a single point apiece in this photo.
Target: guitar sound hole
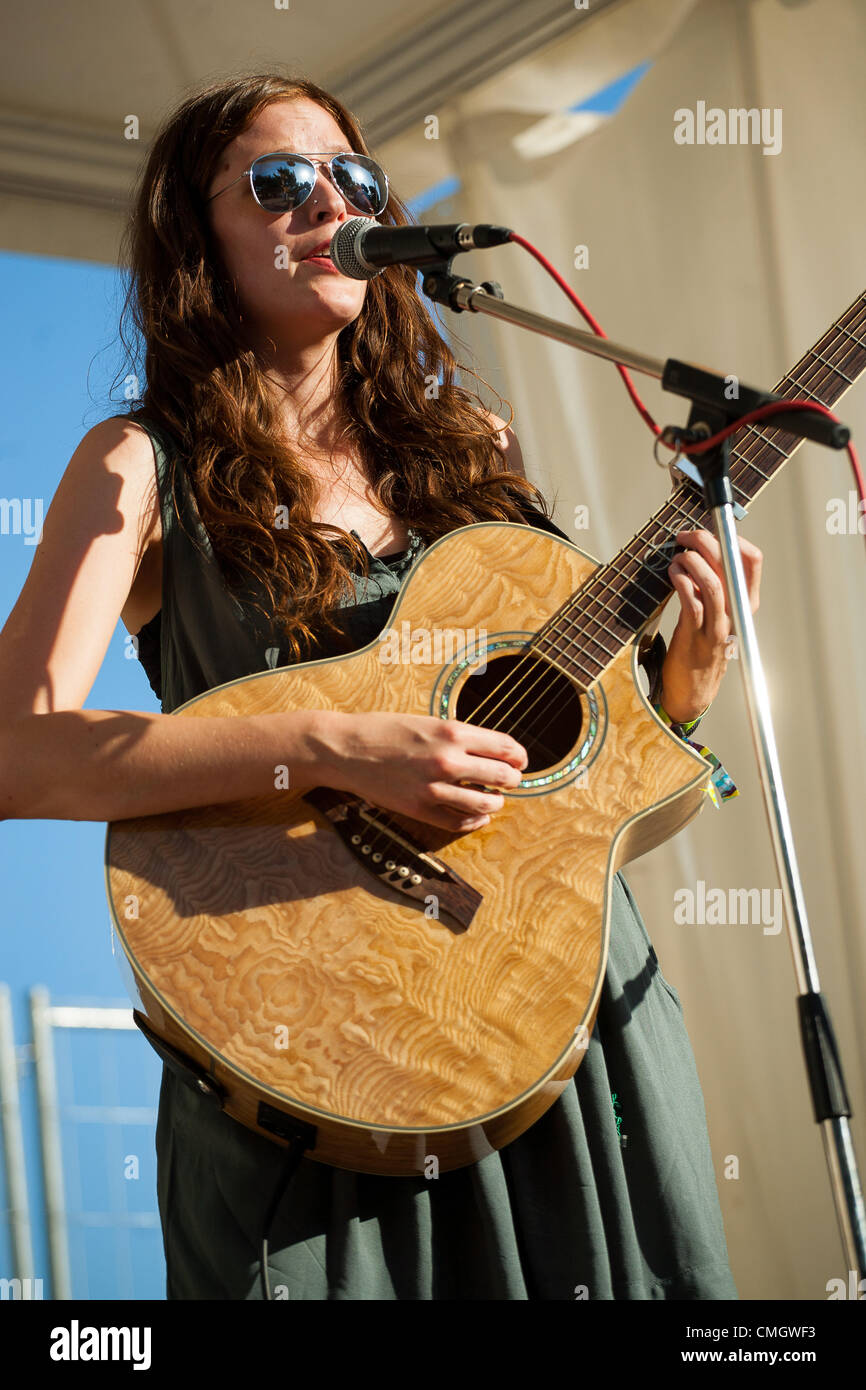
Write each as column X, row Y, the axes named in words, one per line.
column 529, row 699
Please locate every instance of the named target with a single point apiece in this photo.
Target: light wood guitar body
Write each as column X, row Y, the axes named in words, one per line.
column 266, row 950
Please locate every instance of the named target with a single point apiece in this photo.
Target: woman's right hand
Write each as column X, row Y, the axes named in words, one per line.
column 415, row 764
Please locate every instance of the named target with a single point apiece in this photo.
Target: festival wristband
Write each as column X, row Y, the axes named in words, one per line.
column 722, row 788
column 683, row 729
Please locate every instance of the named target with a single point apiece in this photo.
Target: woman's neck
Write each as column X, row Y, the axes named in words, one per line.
column 303, row 387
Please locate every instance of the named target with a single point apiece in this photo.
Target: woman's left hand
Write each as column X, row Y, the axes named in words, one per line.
column 699, row 649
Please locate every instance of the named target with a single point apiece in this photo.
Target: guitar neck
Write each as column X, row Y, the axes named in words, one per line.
column 589, row 631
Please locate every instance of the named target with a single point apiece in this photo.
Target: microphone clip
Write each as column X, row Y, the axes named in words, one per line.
column 443, row 287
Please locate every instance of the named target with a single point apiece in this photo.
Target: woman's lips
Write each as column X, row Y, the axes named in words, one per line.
column 324, row 261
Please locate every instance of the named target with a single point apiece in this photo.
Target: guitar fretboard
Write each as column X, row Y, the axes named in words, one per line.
column 604, row 615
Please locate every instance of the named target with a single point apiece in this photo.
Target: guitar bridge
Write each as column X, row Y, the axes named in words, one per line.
column 391, row 855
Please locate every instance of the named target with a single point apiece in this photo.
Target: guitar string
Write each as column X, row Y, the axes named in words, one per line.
column 742, row 458
column 758, row 442
column 539, row 662
column 822, row 380
column 692, row 497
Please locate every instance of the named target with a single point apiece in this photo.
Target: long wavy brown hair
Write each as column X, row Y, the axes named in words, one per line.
column 432, row 457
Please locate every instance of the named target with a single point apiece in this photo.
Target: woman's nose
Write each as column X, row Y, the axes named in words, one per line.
column 325, row 186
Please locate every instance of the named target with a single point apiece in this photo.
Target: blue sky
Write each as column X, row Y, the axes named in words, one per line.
column 58, row 354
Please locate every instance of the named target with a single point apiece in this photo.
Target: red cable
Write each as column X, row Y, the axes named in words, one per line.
column 596, row 327
column 763, row 413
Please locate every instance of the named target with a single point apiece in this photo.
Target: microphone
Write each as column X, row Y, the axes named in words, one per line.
column 361, row 248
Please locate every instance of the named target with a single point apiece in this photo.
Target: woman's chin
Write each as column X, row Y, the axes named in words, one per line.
column 330, row 305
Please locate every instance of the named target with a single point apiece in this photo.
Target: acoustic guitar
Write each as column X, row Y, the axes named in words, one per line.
column 402, row 996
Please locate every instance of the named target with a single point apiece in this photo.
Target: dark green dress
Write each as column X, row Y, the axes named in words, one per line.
column 610, row 1195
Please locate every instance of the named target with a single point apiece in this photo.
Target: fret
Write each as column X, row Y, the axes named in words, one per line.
column 739, row 456
column 846, row 357
column 626, row 629
column 616, row 621
column 750, row 463
column 619, row 598
column 573, row 612
column 693, row 520
column 614, row 613
column 632, row 578
column 568, row 613
column 585, row 674
column 803, row 390
column 605, row 649
column 699, row 497
column 861, row 341
column 832, row 367
column 570, row 616
column 569, row 667
column 854, row 310
column 765, row 439
column 633, row 583
column 741, row 490
column 657, row 577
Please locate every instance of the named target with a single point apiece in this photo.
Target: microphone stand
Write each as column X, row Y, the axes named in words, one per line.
column 712, row 411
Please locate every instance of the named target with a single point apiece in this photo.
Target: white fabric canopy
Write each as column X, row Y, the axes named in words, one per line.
column 83, row 86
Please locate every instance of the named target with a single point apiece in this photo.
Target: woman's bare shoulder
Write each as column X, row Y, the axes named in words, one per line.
column 96, row 532
column 121, row 445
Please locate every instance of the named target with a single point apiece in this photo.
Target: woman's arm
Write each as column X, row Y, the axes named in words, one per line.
column 60, row 761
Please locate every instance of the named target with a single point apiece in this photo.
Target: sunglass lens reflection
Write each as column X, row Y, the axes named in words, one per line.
column 282, row 184
column 362, row 183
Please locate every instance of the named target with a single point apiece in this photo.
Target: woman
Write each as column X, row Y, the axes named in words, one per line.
column 279, row 391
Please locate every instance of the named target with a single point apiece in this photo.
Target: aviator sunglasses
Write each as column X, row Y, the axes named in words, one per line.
column 282, row 182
